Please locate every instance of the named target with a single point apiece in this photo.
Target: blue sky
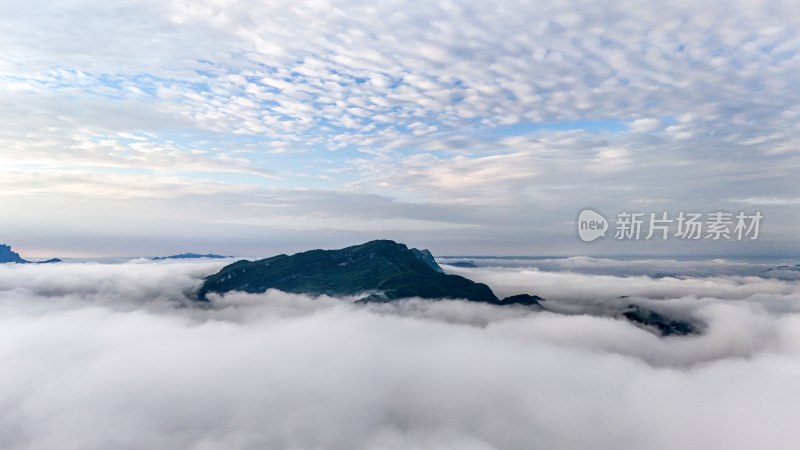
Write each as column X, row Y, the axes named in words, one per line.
column 250, row 128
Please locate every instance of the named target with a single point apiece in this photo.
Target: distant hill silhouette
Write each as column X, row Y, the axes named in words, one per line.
column 189, row 256
column 9, row 256
column 467, row 264
column 49, row 261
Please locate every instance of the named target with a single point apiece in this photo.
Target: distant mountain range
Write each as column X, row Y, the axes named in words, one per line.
column 795, row 268
column 189, row 256
column 466, row 264
column 9, row 256
column 377, row 271
column 49, row 261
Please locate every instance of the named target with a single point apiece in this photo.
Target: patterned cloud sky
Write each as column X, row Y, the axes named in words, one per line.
column 241, row 127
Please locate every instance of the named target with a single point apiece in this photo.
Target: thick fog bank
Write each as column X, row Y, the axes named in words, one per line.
column 98, row 356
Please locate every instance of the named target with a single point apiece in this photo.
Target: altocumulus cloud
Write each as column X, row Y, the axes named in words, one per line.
column 111, row 356
column 493, row 122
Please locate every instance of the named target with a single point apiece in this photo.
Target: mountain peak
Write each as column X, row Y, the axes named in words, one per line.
column 384, row 267
column 9, row 256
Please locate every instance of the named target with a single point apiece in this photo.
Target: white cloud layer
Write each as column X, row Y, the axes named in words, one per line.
column 101, row 356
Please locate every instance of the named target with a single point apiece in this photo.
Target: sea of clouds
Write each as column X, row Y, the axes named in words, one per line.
column 102, row 356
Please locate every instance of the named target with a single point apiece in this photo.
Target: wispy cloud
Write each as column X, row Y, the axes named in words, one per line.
column 769, row 201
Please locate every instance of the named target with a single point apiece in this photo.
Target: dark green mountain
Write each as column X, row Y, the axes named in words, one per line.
column 523, row 299
column 666, row 326
column 385, row 269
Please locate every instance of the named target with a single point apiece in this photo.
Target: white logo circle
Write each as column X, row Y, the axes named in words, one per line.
column 591, row 225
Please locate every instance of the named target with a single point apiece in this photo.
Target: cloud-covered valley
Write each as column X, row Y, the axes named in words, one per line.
column 99, row 356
